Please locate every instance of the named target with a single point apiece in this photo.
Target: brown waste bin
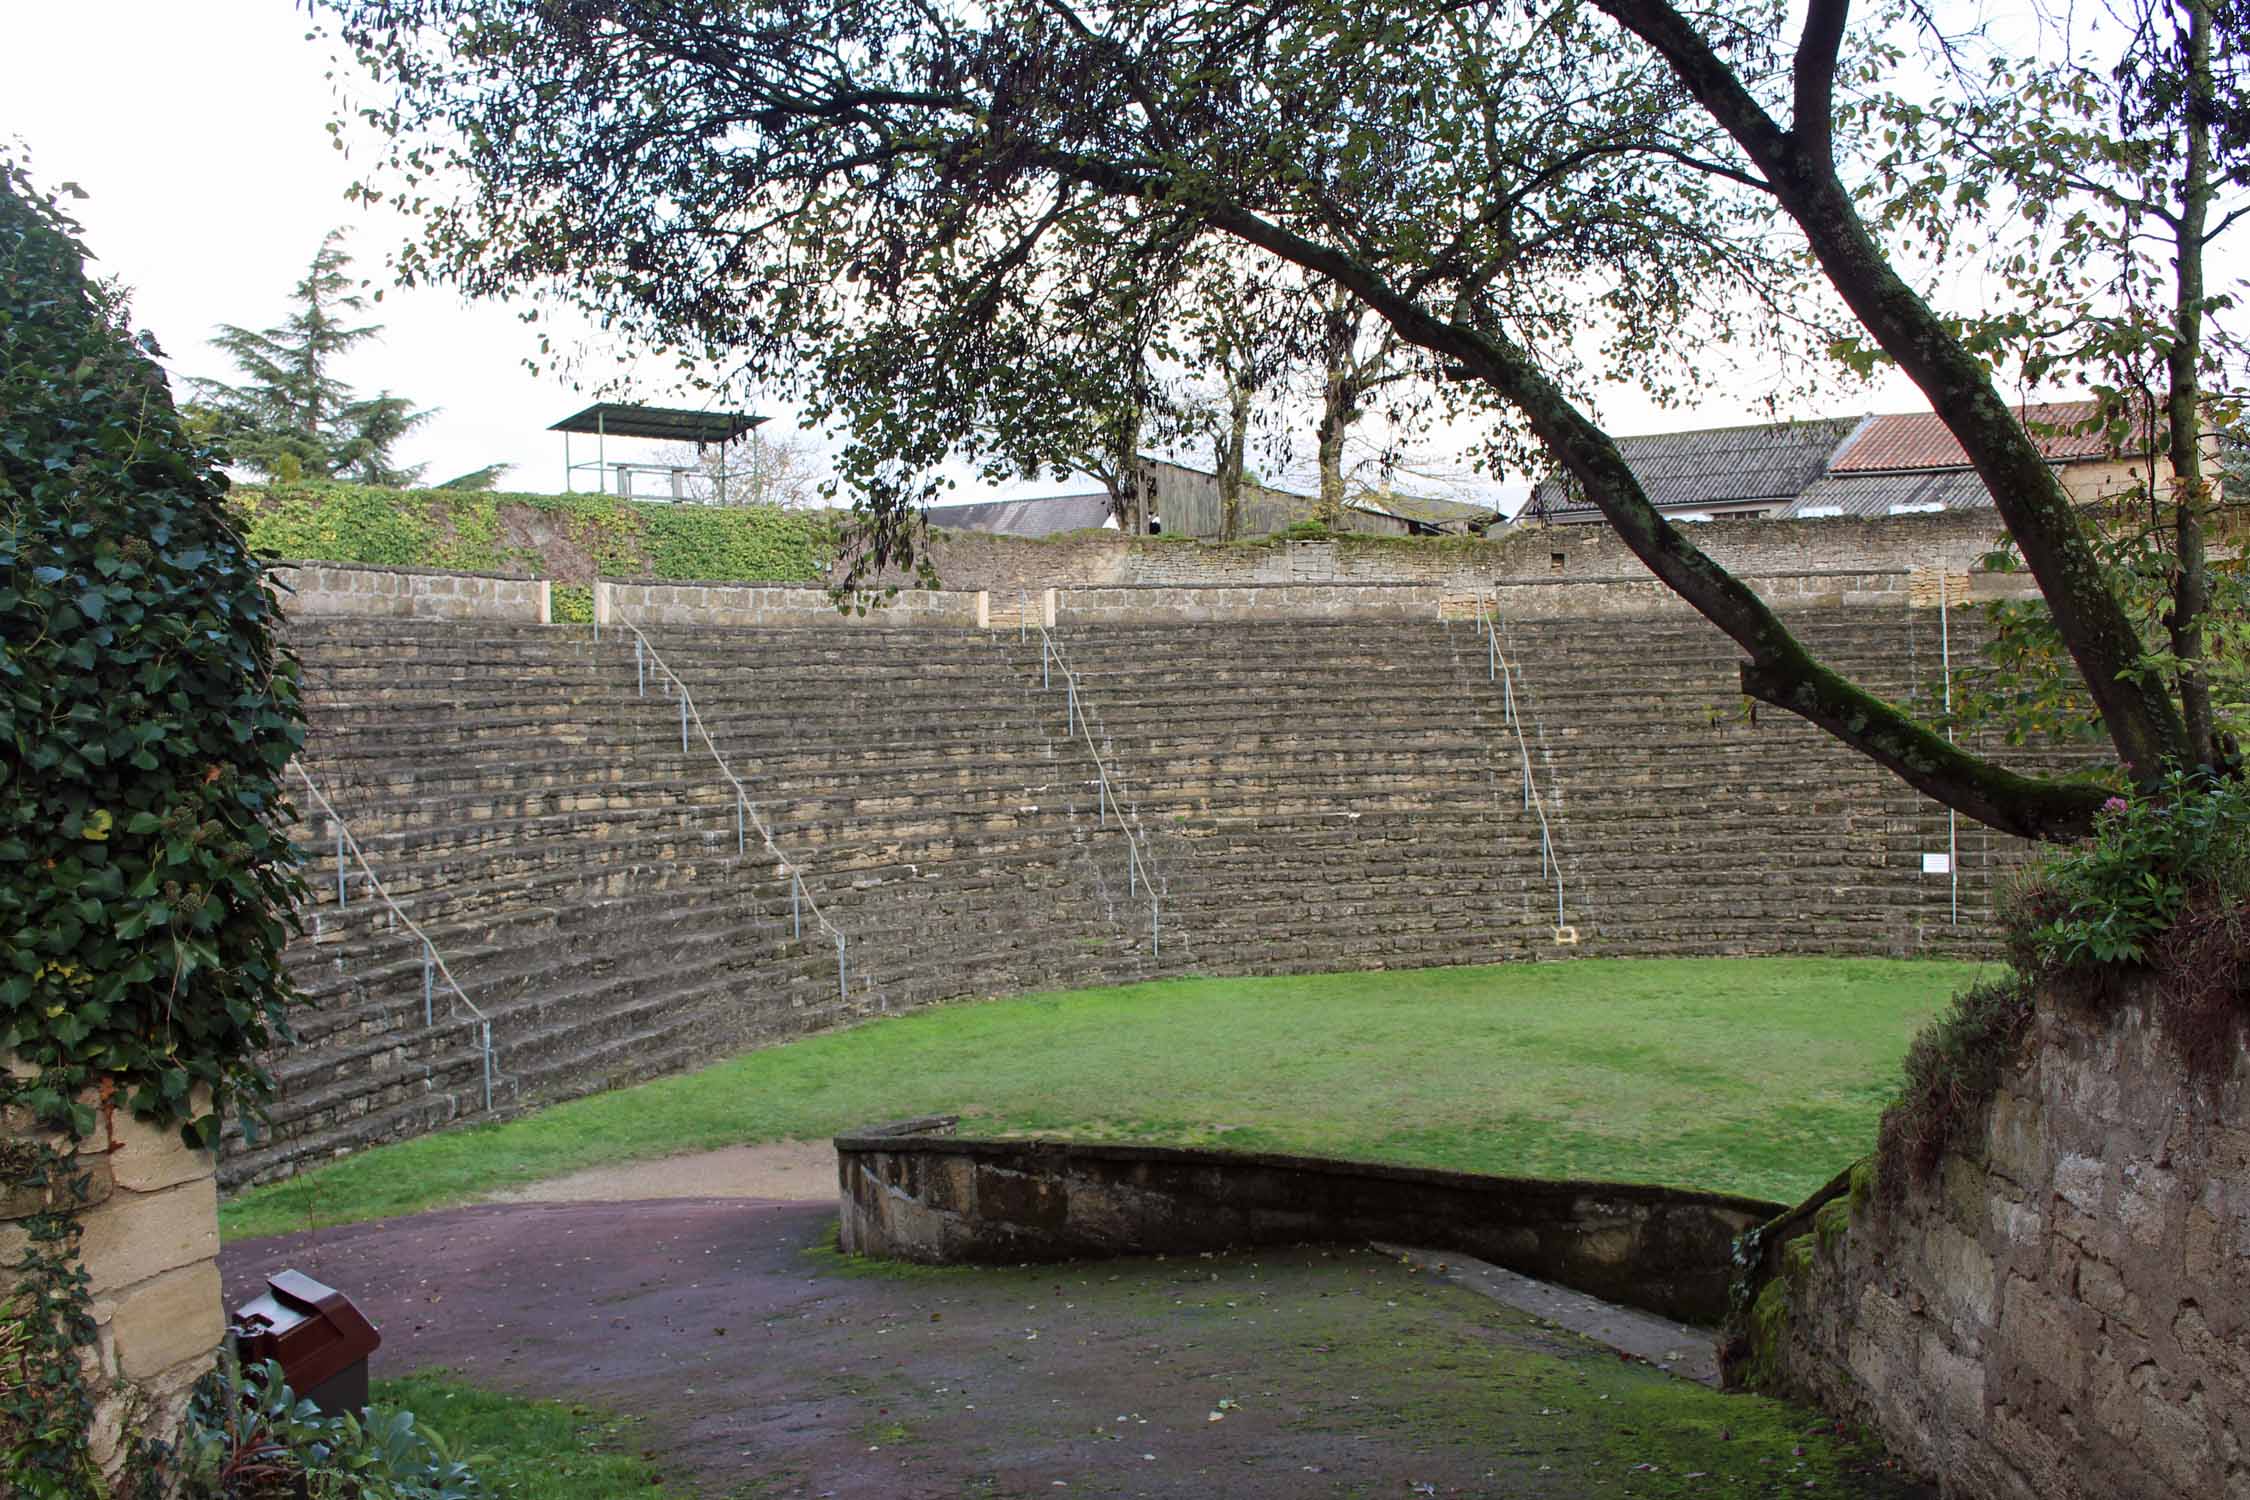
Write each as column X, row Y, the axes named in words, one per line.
column 319, row 1339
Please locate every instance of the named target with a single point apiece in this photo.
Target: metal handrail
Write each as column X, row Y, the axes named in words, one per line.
column 746, row 816
column 1105, row 794
column 1499, row 669
column 433, row 964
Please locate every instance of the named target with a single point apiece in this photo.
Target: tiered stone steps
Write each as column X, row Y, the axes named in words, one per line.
column 1697, row 823
column 1312, row 796
column 1315, row 796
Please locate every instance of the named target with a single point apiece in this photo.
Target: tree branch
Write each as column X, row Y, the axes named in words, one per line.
column 2143, row 721
column 1780, row 670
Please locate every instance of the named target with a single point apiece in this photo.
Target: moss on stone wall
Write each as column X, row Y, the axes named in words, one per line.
column 568, row 538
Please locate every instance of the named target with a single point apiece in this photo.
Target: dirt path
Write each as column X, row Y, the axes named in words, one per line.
column 766, row 1365
column 777, row 1171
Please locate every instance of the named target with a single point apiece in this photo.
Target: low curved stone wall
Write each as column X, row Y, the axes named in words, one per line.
column 913, row 1191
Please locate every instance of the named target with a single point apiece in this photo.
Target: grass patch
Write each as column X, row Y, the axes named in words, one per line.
column 550, row 1449
column 1757, row 1076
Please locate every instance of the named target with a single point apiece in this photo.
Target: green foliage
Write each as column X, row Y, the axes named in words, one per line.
column 2108, row 900
column 567, row 537
column 248, row 1437
column 1952, row 1068
column 2024, row 681
column 537, row 1450
column 148, row 713
column 46, row 1322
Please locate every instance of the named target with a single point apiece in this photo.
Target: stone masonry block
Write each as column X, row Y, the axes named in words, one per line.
column 2082, row 1182
column 139, row 1235
column 22, row 1203
column 2042, row 1337
column 168, row 1322
column 147, row 1157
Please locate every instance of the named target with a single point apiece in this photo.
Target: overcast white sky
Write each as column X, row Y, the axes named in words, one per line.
column 199, row 132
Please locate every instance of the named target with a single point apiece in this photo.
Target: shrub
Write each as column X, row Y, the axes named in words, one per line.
column 248, row 1437
column 1952, row 1068
column 2109, row 900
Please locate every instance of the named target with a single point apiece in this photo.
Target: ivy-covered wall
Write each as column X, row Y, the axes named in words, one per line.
column 567, row 538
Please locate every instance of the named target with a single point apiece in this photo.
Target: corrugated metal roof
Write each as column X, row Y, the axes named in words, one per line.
column 1918, row 440
column 1044, row 516
column 1714, row 466
column 1889, row 494
column 1428, row 510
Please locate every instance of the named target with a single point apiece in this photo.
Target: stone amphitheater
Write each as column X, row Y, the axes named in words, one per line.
column 990, row 793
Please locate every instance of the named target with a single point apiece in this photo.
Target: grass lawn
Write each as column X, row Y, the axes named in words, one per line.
column 1758, row 1076
column 550, row 1449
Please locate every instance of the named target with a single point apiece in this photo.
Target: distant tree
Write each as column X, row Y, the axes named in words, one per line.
column 293, row 416
column 786, row 471
column 485, row 478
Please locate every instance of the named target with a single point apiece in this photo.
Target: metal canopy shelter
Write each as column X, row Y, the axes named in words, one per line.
column 607, row 419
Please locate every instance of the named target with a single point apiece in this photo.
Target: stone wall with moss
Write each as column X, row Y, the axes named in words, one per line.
column 566, row 539
column 2062, row 1309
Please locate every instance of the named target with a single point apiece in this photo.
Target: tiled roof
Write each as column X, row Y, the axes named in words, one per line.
column 1889, row 494
column 1918, row 440
column 1715, row 466
column 1041, row 517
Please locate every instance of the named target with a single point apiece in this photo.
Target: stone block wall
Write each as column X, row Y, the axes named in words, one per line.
column 656, row 602
column 150, row 1249
column 1101, row 559
column 1205, row 603
column 318, row 588
column 2064, row 1311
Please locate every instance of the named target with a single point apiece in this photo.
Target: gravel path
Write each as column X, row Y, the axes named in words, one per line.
column 765, row 1364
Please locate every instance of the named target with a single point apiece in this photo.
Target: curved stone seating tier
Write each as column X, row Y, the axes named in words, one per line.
column 1313, row 796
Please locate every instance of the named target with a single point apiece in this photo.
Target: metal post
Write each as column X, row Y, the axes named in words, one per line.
column 1046, row 654
column 843, row 991
column 1132, row 868
column 796, row 906
column 1155, row 926
column 1491, row 656
column 1023, row 617
column 341, row 903
column 640, row 664
column 1508, row 699
column 741, row 838
column 1070, row 703
column 429, row 977
column 1945, row 668
column 487, row 1067
column 1101, row 799
column 683, row 720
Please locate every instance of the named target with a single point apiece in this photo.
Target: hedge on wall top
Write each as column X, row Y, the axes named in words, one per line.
column 147, row 714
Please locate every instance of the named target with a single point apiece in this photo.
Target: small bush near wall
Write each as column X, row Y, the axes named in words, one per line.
column 569, row 538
